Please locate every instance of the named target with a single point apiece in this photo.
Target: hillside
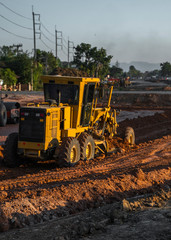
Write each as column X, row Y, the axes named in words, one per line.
column 142, row 66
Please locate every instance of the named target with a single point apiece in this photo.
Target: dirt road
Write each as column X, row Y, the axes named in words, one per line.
column 123, row 195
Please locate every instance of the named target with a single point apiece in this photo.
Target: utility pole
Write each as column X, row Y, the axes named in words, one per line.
column 18, row 46
column 70, row 46
column 56, row 44
column 35, row 22
column 58, row 36
column 34, row 36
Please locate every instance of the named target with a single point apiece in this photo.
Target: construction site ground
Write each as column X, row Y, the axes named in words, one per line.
column 122, row 195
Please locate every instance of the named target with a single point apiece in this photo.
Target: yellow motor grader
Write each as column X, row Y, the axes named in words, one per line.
column 67, row 126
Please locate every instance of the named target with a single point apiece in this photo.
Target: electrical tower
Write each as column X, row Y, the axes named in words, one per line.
column 58, row 38
column 70, row 46
column 36, row 22
column 18, row 46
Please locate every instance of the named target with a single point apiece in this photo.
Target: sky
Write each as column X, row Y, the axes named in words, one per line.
column 129, row 30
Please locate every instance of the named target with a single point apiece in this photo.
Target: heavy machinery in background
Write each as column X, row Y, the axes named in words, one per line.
column 119, row 82
column 9, row 111
column 67, row 127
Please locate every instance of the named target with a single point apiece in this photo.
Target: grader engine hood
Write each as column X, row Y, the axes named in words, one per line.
column 39, row 125
column 32, row 124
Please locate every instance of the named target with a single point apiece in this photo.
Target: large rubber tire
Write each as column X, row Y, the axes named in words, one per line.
column 87, row 146
column 11, row 158
column 3, row 115
column 9, row 106
column 129, row 136
column 51, row 148
column 69, row 152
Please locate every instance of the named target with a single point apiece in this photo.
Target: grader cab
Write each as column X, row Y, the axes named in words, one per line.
column 66, row 127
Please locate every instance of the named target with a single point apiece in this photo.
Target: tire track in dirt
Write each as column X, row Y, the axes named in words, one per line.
column 53, row 178
column 111, row 167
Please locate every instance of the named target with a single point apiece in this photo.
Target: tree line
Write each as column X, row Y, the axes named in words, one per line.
column 19, row 67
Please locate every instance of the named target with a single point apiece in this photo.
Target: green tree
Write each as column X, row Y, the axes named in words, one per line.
column 8, row 76
column 165, row 69
column 151, row 74
column 133, row 72
column 47, row 60
column 21, row 65
column 93, row 61
column 19, row 62
column 7, row 52
column 37, row 72
column 115, row 72
column 83, row 58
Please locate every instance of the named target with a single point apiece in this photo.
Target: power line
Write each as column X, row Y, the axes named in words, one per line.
column 58, row 37
column 47, row 37
column 15, row 23
column 65, row 40
column 40, row 32
column 64, row 52
column 47, row 29
column 46, row 44
column 14, row 11
column 36, row 22
column 65, row 47
column 70, row 47
column 16, row 34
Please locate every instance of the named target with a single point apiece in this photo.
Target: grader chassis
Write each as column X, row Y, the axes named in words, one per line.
column 67, row 127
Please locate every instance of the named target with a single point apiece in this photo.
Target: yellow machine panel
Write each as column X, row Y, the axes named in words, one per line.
column 67, row 117
column 52, row 125
column 67, row 80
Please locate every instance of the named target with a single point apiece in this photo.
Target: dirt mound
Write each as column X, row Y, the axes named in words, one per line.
column 153, row 100
column 168, row 88
column 69, row 72
column 132, row 217
column 149, row 127
column 118, row 145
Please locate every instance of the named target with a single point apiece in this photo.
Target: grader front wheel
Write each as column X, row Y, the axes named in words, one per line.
column 129, row 136
column 87, row 146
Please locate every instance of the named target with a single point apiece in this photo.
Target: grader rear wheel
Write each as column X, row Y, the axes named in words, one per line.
column 87, row 146
column 69, row 153
column 11, row 158
column 52, row 147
